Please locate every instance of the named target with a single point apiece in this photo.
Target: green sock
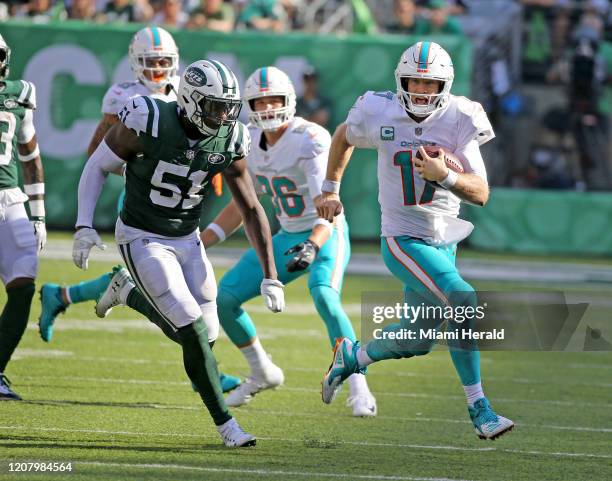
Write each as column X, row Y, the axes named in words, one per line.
column 201, row 367
column 14, row 320
column 88, row 290
column 139, row 303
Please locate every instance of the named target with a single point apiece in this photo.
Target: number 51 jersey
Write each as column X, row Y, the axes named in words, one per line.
column 167, row 182
column 410, row 205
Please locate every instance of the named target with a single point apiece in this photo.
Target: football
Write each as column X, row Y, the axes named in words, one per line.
column 452, row 161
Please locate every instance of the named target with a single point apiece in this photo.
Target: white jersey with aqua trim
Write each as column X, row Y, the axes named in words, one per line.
column 118, row 94
column 409, row 205
column 291, row 171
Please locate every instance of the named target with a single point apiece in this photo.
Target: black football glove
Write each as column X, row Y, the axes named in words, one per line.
column 305, row 254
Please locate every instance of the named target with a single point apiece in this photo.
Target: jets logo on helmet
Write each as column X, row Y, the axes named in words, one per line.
column 153, row 57
column 209, row 97
column 270, row 82
column 195, row 77
column 424, row 60
column 5, row 57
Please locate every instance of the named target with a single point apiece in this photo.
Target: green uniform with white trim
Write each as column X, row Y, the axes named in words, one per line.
column 16, row 97
column 168, row 181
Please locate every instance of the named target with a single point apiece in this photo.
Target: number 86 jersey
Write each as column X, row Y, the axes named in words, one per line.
column 410, row 205
column 291, row 171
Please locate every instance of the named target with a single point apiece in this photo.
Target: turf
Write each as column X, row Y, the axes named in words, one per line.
column 111, row 397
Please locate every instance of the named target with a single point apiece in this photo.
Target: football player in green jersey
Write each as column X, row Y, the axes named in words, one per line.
column 20, row 238
column 171, row 151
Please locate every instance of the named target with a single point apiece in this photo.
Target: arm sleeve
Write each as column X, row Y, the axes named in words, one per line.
column 357, row 132
column 472, row 159
column 101, row 162
column 27, row 131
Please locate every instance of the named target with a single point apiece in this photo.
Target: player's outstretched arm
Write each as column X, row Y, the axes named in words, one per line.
column 119, row 145
column 224, row 225
column 257, row 230
column 340, row 153
column 34, row 186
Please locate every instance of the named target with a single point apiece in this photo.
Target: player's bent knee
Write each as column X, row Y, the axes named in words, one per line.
column 227, row 304
column 211, row 319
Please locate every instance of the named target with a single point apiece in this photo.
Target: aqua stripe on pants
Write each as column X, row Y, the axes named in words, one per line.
column 430, row 276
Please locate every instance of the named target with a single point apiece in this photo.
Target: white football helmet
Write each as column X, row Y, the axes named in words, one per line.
column 425, row 60
column 5, row 58
column 270, row 82
column 153, row 51
column 209, row 96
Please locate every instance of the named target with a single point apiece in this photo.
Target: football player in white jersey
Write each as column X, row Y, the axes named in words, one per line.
column 287, row 162
column 420, row 228
column 154, row 60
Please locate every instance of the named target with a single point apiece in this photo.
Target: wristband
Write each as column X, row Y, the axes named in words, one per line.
column 218, row 230
column 37, row 208
column 331, row 186
column 31, row 156
column 450, row 180
column 325, row 223
column 34, row 189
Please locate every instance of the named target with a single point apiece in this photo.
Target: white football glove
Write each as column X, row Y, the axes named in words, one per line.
column 84, row 240
column 273, row 294
column 40, row 232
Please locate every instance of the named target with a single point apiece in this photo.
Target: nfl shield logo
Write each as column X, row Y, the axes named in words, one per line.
column 190, row 154
column 418, row 131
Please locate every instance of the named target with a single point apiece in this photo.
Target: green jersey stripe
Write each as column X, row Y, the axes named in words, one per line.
column 151, row 116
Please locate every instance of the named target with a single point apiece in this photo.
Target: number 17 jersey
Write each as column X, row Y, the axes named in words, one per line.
column 410, row 206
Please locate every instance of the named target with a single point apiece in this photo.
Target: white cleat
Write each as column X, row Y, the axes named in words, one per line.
column 271, row 378
column 364, row 405
column 234, row 436
column 487, row 423
column 110, row 297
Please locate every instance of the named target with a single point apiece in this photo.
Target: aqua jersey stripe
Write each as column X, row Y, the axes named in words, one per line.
column 149, row 129
column 156, row 37
column 424, row 56
column 263, row 80
column 221, row 71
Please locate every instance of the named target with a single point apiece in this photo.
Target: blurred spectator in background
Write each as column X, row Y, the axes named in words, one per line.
column 82, row 10
column 171, row 15
column 212, row 15
column 439, row 20
column 405, row 17
column 124, row 11
column 42, row 11
column 262, row 15
column 455, row 7
column 312, row 105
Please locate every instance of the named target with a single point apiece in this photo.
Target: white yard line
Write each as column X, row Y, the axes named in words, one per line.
column 428, row 447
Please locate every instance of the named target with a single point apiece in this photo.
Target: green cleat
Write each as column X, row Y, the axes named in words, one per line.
column 51, row 305
column 487, row 424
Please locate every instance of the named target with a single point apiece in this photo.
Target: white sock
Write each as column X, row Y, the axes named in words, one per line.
column 256, row 356
column 362, row 357
column 125, row 291
column 473, row 393
column 358, row 384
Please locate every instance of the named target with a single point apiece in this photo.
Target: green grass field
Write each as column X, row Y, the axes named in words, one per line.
column 111, row 396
